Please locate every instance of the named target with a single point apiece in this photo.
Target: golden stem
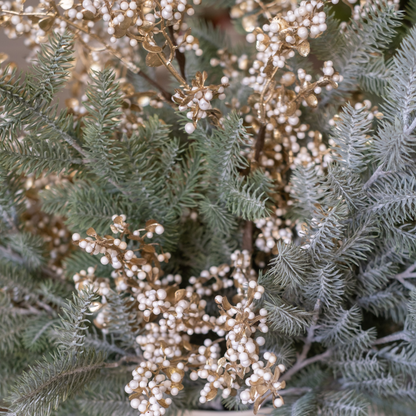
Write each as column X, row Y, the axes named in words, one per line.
column 262, row 104
column 265, row 11
column 168, row 63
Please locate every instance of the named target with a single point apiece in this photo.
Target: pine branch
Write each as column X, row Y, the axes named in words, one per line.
column 51, row 68
column 44, row 386
column 71, row 333
column 285, row 318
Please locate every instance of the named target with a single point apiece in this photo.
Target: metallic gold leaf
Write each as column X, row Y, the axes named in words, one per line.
column 153, row 60
column 150, row 46
column 225, row 304
column 304, row 48
column 91, row 232
column 212, row 394
column 187, row 345
column 46, row 23
column 249, row 23
column 119, row 31
column 262, row 389
column 66, row 4
column 221, row 362
column 180, row 294
column 126, row 23
column 163, row 403
column 291, row 108
column 148, row 248
column 312, row 100
column 138, row 261
column 88, row 14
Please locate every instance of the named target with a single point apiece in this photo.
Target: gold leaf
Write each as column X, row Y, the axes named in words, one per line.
column 138, row 261
column 46, row 23
column 91, row 232
column 312, row 100
column 225, row 304
column 3, row 57
column 262, row 389
column 221, row 362
column 88, row 14
column 66, row 4
column 150, row 223
column 211, row 395
column 163, row 403
column 180, row 294
column 187, row 345
column 119, row 31
column 126, row 23
column 118, row 220
column 257, row 405
column 148, row 248
column 291, row 108
column 276, row 374
column 304, row 48
column 249, row 23
column 151, row 46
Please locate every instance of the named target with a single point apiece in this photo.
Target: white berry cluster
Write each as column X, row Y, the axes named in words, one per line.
column 273, row 229
column 278, row 39
column 196, row 100
column 88, row 280
column 151, row 389
column 128, row 18
column 173, row 314
column 263, row 375
column 242, row 356
column 188, row 43
column 372, row 112
column 115, row 251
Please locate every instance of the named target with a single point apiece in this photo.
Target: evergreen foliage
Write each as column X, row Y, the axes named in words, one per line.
column 340, row 297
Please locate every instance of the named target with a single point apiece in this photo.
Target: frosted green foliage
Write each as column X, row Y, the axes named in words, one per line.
column 305, row 191
column 340, row 296
column 347, row 403
column 325, row 229
column 351, row 51
column 394, row 144
column 326, row 284
column 286, row 318
column 351, row 136
column 121, row 320
column 44, row 386
column 289, row 267
column 75, row 322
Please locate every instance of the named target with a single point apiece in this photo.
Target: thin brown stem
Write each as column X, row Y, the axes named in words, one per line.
column 248, row 236
column 299, row 365
column 180, row 56
column 260, row 142
column 301, row 360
